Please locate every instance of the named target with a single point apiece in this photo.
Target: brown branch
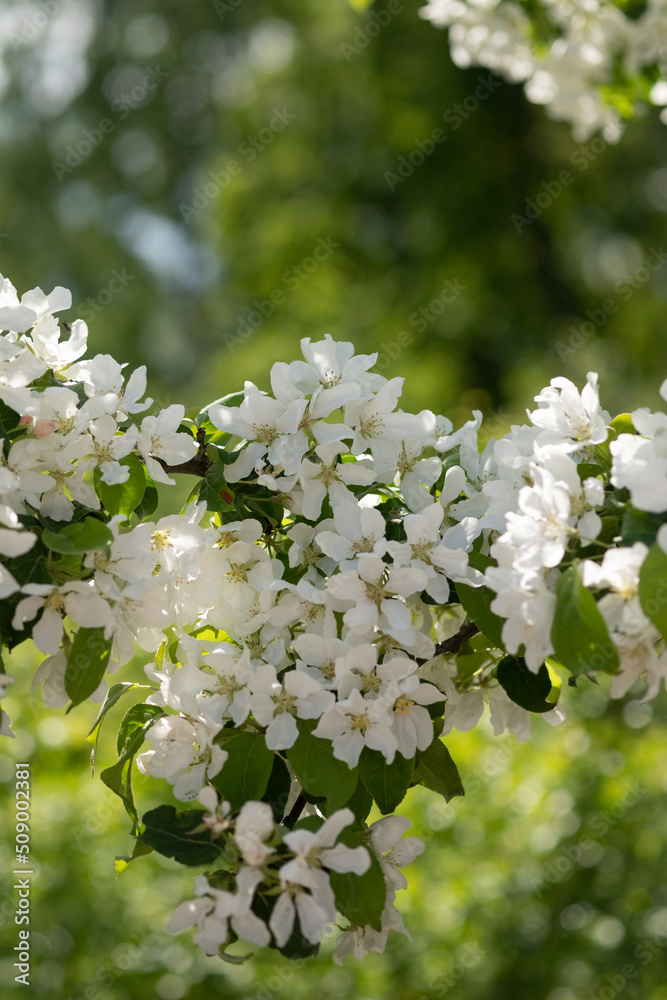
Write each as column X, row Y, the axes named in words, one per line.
column 197, row 466
column 454, row 643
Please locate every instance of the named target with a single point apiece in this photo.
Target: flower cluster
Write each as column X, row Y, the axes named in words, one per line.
column 587, row 61
column 347, row 583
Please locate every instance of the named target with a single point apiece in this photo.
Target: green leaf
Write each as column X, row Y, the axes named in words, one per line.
column 9, row 419
column 115, row 692
column 361, row 802
column 525, row 688
column 476, row 602
column 150, row 499
column 360, row 898
column 84, row 536
column 246, row 772
column 170, row 834
column 387, row 783
column 639, row 526
column 140, row 850
column 214, row 490
column 436, row 769
column 589, row 470
column 132, row 734
column 653, row 588
column 579, row 635
column 86, row 663
column 278, row 789
column 123, row 498
column 318, row 771
column 119, row 779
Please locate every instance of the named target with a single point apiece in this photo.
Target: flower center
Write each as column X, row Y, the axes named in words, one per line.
column 365, row 544
column 160, row 540
column 330, row 379
column 403, row 705
column 371, row 427
column 265, row 433
column 359, row 723
column 284, row 702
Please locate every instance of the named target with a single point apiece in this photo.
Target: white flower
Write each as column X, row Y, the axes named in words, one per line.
column 426, row 551
column 218, row 818
column 254, row 825
column 528, row 603
column 570, row 414
column 159, row 438
column 376, row 426
column 333, row 375
column 276, row 705
column 328, row 475
column 354, row 723
column 313, row 852
column 179, row 743
column 20, row 316
column 358, row 529
column 374, row 590
column 263, row 420
column 230, row 696
column 78, row 600
column 394, row 851
column 215, row 909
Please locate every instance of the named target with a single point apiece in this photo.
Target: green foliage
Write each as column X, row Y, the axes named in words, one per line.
column 476, row 602
column 131, row 736
column 82, row 536
column 114, row 694
column 179, row 836
column 86, row 664
column 386, row 783
column 246, row 772
column 318, row 771
column 436, row 770
column 360, row 898
column 277, row 790
column 526, row 688
column 653, row 588
column 123, row 498
column 579, row 635
column 214, row 490
column 149, row 501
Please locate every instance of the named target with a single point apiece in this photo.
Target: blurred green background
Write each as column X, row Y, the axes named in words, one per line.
column 186, row 167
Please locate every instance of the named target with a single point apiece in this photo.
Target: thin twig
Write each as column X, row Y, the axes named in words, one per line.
column 454, row 643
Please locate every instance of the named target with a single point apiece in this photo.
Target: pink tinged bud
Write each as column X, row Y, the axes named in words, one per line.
column 43, row 427
column 24, row 421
